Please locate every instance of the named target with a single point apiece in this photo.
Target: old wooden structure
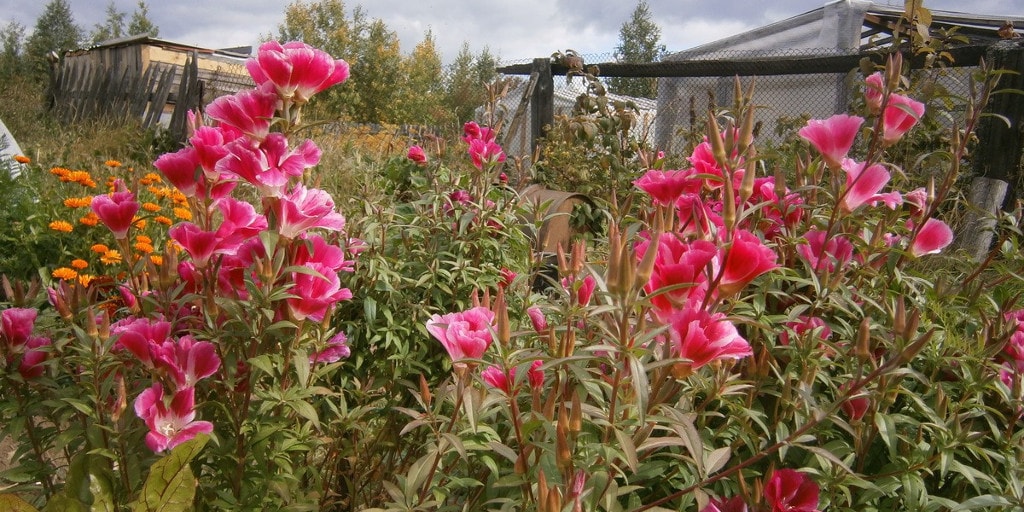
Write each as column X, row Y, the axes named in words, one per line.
column 150, row 80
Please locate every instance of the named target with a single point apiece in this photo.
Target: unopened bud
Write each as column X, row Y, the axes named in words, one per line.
column 576, row 414
column 863, row 347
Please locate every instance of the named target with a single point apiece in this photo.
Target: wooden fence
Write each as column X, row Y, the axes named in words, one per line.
column 85, row 89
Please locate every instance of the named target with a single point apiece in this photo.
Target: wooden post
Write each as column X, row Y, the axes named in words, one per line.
column 997, row 159
column 542, row 104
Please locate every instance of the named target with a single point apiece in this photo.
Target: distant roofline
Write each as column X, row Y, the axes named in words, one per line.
column 239, row 52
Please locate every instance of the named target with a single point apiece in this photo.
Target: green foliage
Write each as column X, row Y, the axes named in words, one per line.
column 55, row 31
column 140, row 22
column 639, row 42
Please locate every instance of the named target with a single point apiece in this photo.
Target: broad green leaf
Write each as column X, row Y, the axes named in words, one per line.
column 12, row 503
column 63, row 503
column 171, row 486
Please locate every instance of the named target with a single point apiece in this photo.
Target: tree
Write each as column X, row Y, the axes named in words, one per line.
column 140, row 22
column 422, row 92
column 466, row 80
column 12, row 60
column 638, row 43
column 111, row 28
column 55, row 31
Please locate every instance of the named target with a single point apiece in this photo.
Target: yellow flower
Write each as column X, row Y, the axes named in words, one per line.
column 85, row 279
column 22, row 159
column 99, row 248
column 64, row 273
column 183, row 213
column 111, row 257
column 151, row 207
column 154, row 177
column 112, row 163
column 90, row 219
column 79, row 263
column 163, row 220
column 62, row 226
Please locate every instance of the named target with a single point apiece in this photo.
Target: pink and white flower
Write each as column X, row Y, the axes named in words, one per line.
column 169, row 424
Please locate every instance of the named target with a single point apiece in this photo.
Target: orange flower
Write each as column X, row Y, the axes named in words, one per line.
column 62, row 226
column 140, row 223
column 22, row 159
column 61, row 172
column 81, row 177
column 79, row 263
column 90, row 219
column 151, row 207
column 78, row 202
column 154, row 177
column 183, row 213
column 111, row 257
column 85, row 279
column 112, row 163
column 64, row 273
column 163, row 220
column 143, row 239
column 156, row 259
column 144, row 247
column 177, row 197
column 99, row 248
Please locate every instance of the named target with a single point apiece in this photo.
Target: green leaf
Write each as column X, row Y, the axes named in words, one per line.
column 171, row 486
column 987, row 501
column 64, row 503
column 12, row 503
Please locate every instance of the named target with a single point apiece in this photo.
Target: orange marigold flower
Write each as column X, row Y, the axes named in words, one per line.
column 64, row 273
column 160, row 193
column 62, row 226
column 183, row 213
column 99, row 248
column 81, row 177
column 112, row 163
column 154, row 177
column 85, row 279
column 156, row 259
column 79, row 263
column 163, row 220
column 90, row 219
column 140, row 223
column 178, row 197
column 111, row 257
column 144, row 239
column 143, row 247
column 78, row 202
column 151, row 207
column 22, row 159
column 60, row 171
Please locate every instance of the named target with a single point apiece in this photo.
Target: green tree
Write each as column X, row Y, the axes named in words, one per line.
column 420, row 99
column 639, row 42
column 55, row 31
column 111, row 28
column 465, row 82
column 12, row 60
column 140, row 22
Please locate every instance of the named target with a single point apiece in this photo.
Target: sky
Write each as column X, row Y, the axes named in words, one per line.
column 512, row 30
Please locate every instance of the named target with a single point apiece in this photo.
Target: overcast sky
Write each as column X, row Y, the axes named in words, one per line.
column 516, row 30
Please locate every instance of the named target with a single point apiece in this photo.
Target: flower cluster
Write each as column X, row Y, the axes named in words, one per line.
column 18, row 346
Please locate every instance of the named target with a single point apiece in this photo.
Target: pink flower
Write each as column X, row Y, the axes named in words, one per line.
column 706, row 167
column 116, row 210
column 187, row 360
column 701, row 337
column 472, row 131
column 296, row 70
column 337, row 349
column 171, row 425
column 806, row 324
column 417, row 155
column 142, row 337
column 16, row 325
column 498, row 378
column 239, row 222
column 822, row 254
column 270, row 165
column 665, row 187
column 901, row 114
column 586, row 291
column 697, row 216
column 918, row 201
column 507, row 277
column 855, row 407
column 862, row 185
column 873, row 92
column 535, row 375
column 789, row 490
column 200, row 244
column 36, row 353
column 182, row 169
column 933, row 237
column 314, row 295
column 314, row 249
column 307, row 208
column 540, row 324
column 250, row 112
column 465, row 335
column 681, row 267
column 832, row 137
column 734, row 504
column 746, row 259
column 485, row 153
